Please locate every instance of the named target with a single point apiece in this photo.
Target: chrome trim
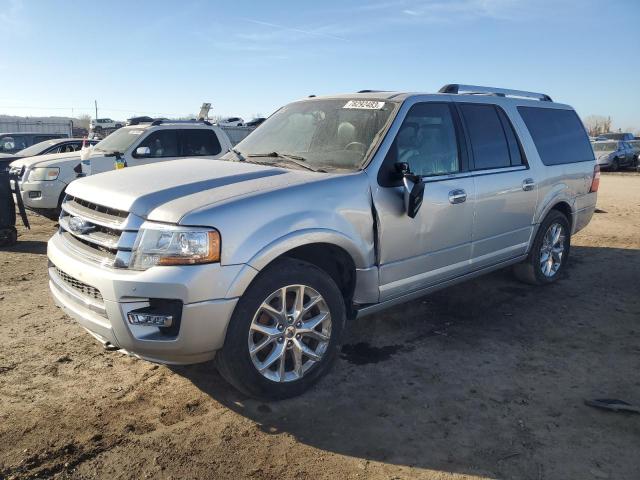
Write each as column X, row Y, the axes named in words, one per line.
column 97, row 218
column 99, row 238
column 63, row 288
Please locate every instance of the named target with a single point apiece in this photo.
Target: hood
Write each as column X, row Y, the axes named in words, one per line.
column 49, row 160
column 167, row 191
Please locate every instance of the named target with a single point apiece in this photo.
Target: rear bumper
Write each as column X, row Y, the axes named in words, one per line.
column 100, row 299
column 585, row 206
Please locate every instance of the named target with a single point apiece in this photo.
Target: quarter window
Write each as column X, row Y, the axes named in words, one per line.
column 559, row 135
column 488, row 139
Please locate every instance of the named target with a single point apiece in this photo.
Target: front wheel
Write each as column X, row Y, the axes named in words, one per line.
column 549, row 253
column 284, row 332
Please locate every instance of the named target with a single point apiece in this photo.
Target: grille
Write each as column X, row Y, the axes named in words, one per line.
column 83, row 288
column 102, row 234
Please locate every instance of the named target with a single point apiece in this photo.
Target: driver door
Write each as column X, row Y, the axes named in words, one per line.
column 435, row 246
column 162, row 144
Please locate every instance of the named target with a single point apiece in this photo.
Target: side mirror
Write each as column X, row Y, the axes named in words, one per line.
column 143, row 151
column 413, row 189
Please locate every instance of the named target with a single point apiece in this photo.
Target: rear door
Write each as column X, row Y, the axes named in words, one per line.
column 201, row 142
column 506, row 190
column 435, row 246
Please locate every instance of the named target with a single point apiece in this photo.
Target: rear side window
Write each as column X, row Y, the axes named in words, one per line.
column 199, row 142
column 487, row 134
column 559, row 135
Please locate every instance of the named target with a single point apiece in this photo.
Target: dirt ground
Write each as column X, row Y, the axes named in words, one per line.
column 483, row 380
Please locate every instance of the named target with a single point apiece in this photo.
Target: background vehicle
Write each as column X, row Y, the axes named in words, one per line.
column 60, row 145
column 255, row 122
column 10, row 143
column 616, row 136
column 99, row 124
column 50, row 125
column 44, row 178
column 335, row 207
column 613, row 154
column 230, row 122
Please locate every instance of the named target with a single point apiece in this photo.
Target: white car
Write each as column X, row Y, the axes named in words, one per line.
column 43, row 179
column 98, row 124
column 231, row 122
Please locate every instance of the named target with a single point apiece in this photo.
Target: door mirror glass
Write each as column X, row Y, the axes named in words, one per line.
column 413, row 189
column 143, row 151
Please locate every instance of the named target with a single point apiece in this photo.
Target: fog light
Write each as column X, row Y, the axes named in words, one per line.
column 35, row 194
column 150, row 319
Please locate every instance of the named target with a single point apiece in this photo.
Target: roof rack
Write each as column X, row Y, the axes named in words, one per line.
column 161, row 121
column 371, row 91
column 499, row 92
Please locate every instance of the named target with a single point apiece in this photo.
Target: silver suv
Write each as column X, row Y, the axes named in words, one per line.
column 336, row 207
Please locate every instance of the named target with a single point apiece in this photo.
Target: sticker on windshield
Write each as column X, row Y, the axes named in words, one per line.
column 135, row 132
column 364, row 104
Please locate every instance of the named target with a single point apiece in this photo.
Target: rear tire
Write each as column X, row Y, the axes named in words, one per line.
column 614, row 165
column 547, row 260
column 289, row 354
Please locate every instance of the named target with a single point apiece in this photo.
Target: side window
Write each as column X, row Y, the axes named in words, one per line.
column 515, row 151
column 427, row 141
column 199, row 142
column 558, row 134
column 488, row 138
column 41, row 138
column 162, row 143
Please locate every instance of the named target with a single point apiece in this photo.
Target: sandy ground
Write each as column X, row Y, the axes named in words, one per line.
column 483, row 380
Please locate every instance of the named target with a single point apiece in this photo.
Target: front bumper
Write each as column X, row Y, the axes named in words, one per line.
column 99, row 299
column 48, row 194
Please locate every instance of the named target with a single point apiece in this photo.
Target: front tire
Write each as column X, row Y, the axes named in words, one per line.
column 284, row 332
column 549, row 253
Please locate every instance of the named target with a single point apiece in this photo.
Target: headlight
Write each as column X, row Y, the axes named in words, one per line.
column 159, row 244
column 46, row 173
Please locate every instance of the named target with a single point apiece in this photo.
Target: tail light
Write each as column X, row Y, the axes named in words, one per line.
column 595, row 183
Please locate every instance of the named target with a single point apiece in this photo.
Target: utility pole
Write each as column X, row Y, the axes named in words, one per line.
column 95, row 102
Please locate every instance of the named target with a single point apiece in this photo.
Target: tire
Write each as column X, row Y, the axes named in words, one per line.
column 532, row 270
column 291, row 373
column 614, row 165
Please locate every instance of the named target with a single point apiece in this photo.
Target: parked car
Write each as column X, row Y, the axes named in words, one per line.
column 613, row 154
column 10, row 143
column 616, row 136
column 59, row 145
column 231, row 122
column 635, row 144
column 255, row 122
column 43, row 179
column 99, row 124
column 336, row 207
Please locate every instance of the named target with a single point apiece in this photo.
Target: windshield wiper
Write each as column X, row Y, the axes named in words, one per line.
column 238, row 154
column 295, row 159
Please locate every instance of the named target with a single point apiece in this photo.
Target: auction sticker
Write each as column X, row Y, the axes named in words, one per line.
column 364, row 104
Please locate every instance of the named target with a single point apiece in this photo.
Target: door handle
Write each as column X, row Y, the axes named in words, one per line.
column 528, row 184
column 457, row 196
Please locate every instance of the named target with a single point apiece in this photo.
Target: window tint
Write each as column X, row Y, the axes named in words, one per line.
column 488, row 139
column 163, row 143
column 559, row 135
column 427, row 140
column 199, row 142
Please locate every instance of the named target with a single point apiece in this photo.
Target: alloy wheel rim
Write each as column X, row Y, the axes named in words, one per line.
column 289, row 333
column 552, row 250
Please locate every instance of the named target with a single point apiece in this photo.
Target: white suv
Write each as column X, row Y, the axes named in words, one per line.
column 43, row 179
column 98, row 124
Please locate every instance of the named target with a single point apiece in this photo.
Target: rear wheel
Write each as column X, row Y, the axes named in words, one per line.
column 615, row 165
column 549, row 253
column 284, row 332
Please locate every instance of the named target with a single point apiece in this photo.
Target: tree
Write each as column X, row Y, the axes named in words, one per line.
column 597, row 124
column 82, row 121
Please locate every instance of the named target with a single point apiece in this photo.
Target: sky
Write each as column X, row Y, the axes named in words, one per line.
column 166, row 57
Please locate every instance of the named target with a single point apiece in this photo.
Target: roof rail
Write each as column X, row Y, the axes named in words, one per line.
column 164, row 120
column 499, row 92
column 371, row 91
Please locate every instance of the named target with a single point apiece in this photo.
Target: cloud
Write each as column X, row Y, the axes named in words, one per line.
column 303, row 31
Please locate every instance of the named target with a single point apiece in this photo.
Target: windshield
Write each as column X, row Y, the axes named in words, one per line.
column 37, row 148
column 120, row 140
column 325, row 134
column 605, row 146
